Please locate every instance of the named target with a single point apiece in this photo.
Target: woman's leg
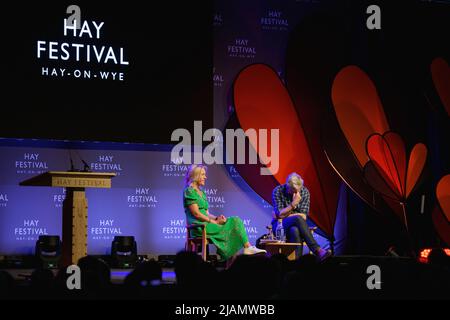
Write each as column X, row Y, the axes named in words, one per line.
column 239, row 224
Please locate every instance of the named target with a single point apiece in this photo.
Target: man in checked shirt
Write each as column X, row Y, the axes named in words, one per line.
column 291, row 204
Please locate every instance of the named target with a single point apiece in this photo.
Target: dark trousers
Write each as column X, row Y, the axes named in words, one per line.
column 297, row 230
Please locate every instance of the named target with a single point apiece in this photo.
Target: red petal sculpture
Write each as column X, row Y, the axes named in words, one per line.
column 443, row 195
column 387, row 153
column 262, row 102
column 441, row 214
column 440, row 72
column 441, row 224
column 387, row 171
column 378, row 182
column 251, row 173
column 358, row 109
column 416, row 164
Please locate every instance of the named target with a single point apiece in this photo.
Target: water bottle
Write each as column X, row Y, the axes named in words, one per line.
column 279, row 233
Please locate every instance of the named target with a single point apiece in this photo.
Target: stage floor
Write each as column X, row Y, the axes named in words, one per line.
column 117, row 275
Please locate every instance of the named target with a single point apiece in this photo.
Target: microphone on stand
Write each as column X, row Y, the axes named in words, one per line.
column 72, row 166
column 86, row 167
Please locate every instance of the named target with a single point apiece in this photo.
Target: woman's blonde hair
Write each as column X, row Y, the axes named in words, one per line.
column 193, row 173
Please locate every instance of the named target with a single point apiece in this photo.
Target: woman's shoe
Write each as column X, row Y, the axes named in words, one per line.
column 253, row 250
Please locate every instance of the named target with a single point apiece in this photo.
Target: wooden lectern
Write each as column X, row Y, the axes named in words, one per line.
column 74, row 226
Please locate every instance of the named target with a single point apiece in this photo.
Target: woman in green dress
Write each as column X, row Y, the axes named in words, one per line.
column 227, row 234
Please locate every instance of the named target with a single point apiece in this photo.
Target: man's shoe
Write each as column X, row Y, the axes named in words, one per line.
column 253, row 250
column 322, row 254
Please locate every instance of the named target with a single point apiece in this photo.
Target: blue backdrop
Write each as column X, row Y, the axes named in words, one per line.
column 145, row 199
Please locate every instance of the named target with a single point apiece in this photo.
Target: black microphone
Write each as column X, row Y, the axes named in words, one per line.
column 86, row 167
column 72, row 167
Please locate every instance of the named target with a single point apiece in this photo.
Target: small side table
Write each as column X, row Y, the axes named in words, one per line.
column 287, row 248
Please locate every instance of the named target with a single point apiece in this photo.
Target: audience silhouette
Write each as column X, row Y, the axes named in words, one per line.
column 249, row 277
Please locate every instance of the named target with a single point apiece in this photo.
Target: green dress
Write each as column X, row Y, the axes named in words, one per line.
column 228, row 238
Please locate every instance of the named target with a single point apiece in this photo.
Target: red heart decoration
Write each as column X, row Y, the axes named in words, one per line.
column 387, row 153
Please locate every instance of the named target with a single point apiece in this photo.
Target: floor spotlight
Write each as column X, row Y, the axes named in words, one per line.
column 124, row 252
column 48, row 251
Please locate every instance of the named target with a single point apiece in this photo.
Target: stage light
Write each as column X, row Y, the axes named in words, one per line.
column 124, row 252
column 48, row 251
column 425, row 253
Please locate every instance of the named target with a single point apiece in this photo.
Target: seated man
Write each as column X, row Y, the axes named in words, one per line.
column 291, row 204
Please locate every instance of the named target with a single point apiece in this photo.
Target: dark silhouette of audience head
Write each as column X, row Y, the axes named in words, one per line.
column 144, row 281
column 146, row 274
column 256, row 276
column 195, row 278
column 249, row 277
column 42, row 282
column 95, row 275
column 7, row 285
column 60, row 284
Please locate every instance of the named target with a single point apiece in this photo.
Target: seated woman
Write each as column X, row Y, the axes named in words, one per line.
column 227, row 234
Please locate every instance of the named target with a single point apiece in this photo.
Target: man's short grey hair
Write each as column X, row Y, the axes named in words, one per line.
column 294, row 179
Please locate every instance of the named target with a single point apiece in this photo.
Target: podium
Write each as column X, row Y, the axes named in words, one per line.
column 75, row 206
